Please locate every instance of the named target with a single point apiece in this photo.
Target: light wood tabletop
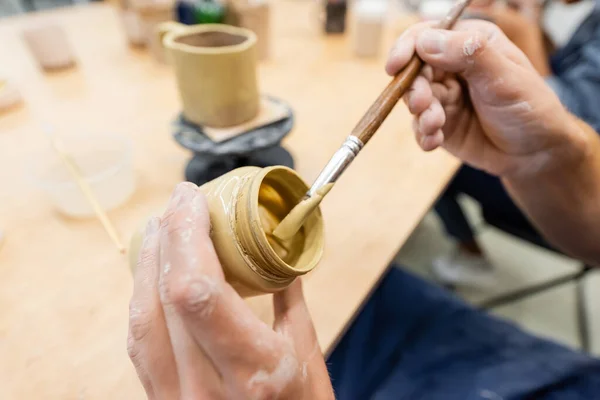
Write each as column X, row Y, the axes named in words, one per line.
column 64, row 289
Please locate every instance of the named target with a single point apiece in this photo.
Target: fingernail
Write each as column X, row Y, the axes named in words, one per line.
column 432, row 41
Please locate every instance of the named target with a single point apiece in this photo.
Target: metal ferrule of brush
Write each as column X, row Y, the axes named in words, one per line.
column 338, row 164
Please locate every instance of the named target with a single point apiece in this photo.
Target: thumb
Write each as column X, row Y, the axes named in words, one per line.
column 291, row 313
column 293, row 320
column 467, row 52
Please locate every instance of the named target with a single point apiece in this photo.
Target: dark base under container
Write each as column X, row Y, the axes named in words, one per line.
column 259, row 147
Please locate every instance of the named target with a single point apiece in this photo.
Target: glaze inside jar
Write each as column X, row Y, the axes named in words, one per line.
column 279, row 192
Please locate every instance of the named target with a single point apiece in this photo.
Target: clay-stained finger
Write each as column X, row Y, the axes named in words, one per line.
column 148, row 342
column 199, row 377
column 250, row 357
column 293, row 320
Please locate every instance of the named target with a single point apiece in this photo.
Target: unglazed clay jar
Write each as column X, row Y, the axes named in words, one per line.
column 215, row 67
column 245, row 206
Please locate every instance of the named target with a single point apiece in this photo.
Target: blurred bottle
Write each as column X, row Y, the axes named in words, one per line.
column 209, row 12
column 191, row 12
column 185, row 10
column 369, row 20
column 335, row 16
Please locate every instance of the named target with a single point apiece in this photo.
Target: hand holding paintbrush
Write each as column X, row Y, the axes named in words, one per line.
column 360, row 136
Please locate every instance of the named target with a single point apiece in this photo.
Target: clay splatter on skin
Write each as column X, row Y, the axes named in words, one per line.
column 471, row 46
column 523, row 106
column 202, row 292
column 186, row 235
column 134, row 313
column 304, row 370
column 197, row 204
column 279, row 378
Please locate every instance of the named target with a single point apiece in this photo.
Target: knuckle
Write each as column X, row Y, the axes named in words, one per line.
column 133, row 350
column 196, row 294
column 266, row 391
column 140, row 323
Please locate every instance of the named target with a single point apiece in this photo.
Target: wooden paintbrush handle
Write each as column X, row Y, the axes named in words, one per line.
column 381, row 108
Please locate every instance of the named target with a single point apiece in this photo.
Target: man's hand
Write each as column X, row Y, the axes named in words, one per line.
column 481, row 99
column 191, row 336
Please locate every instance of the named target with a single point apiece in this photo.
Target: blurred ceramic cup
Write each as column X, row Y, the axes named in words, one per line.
column 368, row 29
column 50, row 46
column 215, row 66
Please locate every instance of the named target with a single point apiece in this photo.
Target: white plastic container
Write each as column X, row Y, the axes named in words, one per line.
column 434, row 10
column 369, row 16
column 105, row 162
column 49, row 45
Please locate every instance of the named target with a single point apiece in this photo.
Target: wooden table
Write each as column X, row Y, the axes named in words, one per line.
column 64, row 289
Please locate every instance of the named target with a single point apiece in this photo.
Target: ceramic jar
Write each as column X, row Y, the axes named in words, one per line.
column 245, row 206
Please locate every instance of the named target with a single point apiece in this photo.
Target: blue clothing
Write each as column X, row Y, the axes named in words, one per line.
column 415, row 341
column 491, row 195
column 576, row 71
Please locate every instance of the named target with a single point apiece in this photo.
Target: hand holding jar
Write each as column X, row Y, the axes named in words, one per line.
column 192, row 335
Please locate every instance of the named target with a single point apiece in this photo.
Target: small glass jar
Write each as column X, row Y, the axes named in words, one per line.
column 245, row 206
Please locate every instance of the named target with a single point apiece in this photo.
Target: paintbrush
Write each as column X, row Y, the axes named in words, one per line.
column 87, row 191
column 360, row 135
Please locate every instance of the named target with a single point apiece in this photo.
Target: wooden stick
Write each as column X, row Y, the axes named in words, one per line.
column 381, row 108
column 87, row 191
